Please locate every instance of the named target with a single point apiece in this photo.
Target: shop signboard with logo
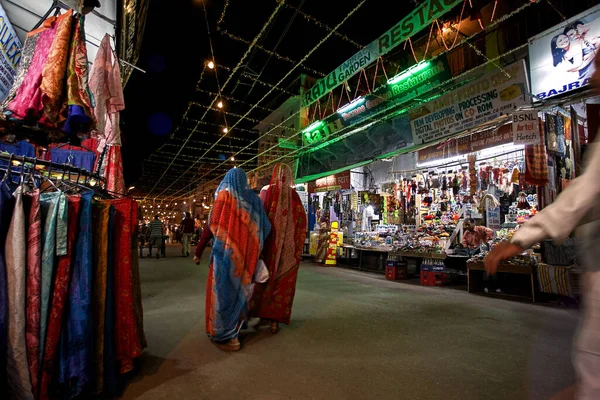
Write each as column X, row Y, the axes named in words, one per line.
column 397, row 91
column 339, row 181
column 526, row 128
column 562, row 58
column 426, row 13
column 467, row 144
column 479, row 102
column 10, row 56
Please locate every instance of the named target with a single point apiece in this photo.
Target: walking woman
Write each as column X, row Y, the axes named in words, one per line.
column 239, row 226
column 273, row 300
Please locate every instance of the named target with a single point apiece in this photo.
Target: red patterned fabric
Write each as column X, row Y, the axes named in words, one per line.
column 60, row 295
column 113, row 170
column 34, row 288
column 130, row 340
column 273, row 300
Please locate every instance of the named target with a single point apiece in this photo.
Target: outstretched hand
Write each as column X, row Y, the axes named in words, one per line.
column 502, row 251
column 196, row 260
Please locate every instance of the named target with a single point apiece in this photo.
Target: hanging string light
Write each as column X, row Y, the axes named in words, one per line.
column 211, row 65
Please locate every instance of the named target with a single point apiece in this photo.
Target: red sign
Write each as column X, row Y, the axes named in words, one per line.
column 339, row 181
column 467, row 144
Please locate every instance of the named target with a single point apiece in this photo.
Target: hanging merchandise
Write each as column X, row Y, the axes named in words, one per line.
column 536, row 164
column 70, row 254
column 105, row 84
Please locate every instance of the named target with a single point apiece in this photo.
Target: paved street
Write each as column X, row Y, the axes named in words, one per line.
column 353, row 336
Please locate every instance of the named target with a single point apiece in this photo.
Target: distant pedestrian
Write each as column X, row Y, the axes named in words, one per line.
column 187, row 230
column 156, row 231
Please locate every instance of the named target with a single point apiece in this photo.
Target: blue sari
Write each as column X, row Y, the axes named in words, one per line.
column 76, row 339
column 240, row 227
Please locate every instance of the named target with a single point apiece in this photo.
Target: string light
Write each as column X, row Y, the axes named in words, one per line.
column 225, row 130
column 233, row 73
column 211, row 65
column 220, row 104
column 291, row 71
column 272, row 53
column 232, row 158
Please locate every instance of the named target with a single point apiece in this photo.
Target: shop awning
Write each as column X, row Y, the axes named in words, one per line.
column 314, row 177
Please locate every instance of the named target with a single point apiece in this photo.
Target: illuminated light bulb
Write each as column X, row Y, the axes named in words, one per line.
column 220, row 104
column 175, row 203
column 184, row 202
column 232, row 158
column 225, row 130
column 211, row 65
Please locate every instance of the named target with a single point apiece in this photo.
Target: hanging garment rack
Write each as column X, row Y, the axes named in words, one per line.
column 59, row 5
column 51, row 165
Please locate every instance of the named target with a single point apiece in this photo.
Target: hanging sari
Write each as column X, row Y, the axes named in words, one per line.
column 34, row 288
column 19, row 381
column 7, row 204
column 240, row 227
column 129, row 327
column 283, row 248
column 100, row 219
column 59, row 300
column 54, row 242
column 76, row 337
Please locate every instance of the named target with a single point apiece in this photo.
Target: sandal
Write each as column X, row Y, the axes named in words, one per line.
column 274, row 327
column 233, row 345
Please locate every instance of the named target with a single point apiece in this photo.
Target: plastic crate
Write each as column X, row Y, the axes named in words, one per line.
column 433, row 278
column 395, row 273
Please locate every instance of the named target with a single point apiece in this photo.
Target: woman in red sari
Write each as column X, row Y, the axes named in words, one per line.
column 273, row 300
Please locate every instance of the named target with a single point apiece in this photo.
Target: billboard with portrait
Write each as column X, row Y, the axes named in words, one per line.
column 561, row 58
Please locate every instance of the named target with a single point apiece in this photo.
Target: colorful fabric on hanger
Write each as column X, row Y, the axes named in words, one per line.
column 7, row 204
column 27, row 53
column 27, row 101
column 130, row 339
column 34, row 286
column 79, row 111
column 59, row 300
column 19, row 381
column 78, row 158
column 240, row 227
column 113, row 170
column 20, row 148
column 536, row 161
column 54, row 215
column 76, row 344
column 273, row 300
column 107, row 91
column 100, row 220
column 53, row 81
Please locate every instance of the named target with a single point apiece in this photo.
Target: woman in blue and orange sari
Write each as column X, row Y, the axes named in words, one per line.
column 239, row 227
column 272, row 301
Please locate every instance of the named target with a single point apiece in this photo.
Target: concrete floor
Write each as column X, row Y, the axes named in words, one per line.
column 353, row 336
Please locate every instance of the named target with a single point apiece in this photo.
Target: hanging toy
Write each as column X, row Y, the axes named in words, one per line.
column 522, row 203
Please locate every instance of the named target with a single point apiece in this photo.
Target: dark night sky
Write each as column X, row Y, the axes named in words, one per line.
column 175, row 47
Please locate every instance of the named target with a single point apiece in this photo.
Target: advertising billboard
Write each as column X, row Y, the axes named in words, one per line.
column 561, row 58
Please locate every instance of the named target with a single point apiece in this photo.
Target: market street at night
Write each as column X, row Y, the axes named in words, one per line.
column 353, row 336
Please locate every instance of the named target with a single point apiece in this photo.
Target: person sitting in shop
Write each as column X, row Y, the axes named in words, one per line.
column 474, row 236
column 473, row 239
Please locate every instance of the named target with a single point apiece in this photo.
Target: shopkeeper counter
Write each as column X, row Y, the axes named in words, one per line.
column 374, row 259
column 369, row 255
column 503, row 268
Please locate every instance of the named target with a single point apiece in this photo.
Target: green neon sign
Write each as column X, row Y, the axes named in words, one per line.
column 408, row 73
